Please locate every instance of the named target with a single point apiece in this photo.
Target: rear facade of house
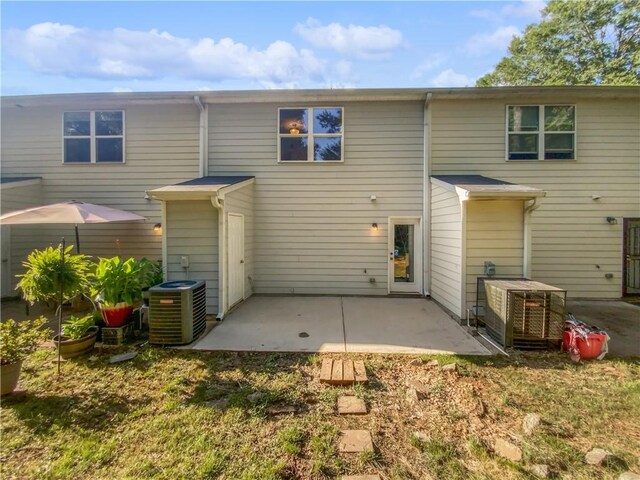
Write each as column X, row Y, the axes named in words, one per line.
column 361, row 192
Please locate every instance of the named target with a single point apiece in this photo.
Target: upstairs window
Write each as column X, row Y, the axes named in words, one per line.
column 310, row 134
column 545, row 132
column 93, row 137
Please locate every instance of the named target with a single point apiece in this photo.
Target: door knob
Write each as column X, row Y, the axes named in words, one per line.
column 241, row 261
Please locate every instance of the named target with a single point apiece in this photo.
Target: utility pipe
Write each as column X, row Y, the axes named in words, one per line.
column 426, row 198
column 203, row 142
column 218, row 203
column 526, row 260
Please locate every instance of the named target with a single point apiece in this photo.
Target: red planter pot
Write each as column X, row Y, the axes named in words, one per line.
column 117, row 315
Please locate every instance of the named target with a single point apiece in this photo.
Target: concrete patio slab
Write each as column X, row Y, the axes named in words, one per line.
column 274, row 324
column 404, row 325
column 340, row 324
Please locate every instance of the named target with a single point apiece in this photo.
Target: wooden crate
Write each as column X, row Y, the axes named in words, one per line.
column 116, row 336
column 343, row 372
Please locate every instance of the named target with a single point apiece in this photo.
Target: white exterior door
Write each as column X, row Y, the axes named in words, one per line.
column 6, row 262
column 235, row 248
column 405, row 255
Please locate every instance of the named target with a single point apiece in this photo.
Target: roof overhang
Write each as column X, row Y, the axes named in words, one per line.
column 203, row 188
column 485, row 188
column 99, row 100
column 7, row 183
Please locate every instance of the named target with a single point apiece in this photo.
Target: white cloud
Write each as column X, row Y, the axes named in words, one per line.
column 431, row 62
column 66, row 50
column 450, row 78
column 527, row 8
column 498, row 40
column 353, row 40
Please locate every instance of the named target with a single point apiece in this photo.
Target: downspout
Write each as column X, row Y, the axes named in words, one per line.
column 526, row 260
column 218, row 203
column 426, row 200
column 203, row 145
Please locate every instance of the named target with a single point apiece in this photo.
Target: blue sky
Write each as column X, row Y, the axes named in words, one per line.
column 60, row 47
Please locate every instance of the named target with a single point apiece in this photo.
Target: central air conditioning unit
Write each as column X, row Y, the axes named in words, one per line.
column 522, row 313
column 177, row 312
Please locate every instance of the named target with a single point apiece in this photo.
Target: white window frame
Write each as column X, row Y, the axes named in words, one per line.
column 92, row 137
column 310, row 135
column 541, row 132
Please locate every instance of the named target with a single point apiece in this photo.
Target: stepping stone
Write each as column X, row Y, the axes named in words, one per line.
column 342, row 372
column 355, row 441
column 362, row 477
column 351, row 405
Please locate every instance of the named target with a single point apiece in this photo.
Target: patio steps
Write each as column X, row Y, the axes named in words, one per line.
column 342, row 372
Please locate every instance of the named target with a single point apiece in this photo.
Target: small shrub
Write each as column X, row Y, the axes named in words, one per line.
column 46, row 274
column 115, row 281
column 19, row 339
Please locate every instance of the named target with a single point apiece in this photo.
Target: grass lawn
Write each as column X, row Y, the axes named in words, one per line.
column 183, row 414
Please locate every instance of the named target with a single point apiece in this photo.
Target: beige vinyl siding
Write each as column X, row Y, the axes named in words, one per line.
column 494, row 233
column 161, row 143
column 192, row 230
column 573, row 247
column 313, row 221
column 446, row 248
column 241, row 201
column 22, row 238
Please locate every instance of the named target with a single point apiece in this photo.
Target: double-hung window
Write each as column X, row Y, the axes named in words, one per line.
column 541, row 132
column 310, row 134
column 93, row 137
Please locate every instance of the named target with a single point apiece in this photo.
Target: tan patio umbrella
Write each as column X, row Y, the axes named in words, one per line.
column 74, row 212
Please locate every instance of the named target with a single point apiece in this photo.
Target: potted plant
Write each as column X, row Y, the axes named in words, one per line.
column 17, row 341
column 117, row 285
column 78, row 336
column 46, row 274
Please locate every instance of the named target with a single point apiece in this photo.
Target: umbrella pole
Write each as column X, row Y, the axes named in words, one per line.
column 77, row 240
column 61, row 299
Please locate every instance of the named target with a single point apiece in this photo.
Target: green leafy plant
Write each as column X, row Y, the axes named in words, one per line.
column 77, row 327
column 46, row 274
column 19, row 339
column 115, row 281
column 151, row 272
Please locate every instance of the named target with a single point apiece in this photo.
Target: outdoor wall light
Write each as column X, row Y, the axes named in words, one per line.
column 157, row 228
column 612, row 220
column 374, row 227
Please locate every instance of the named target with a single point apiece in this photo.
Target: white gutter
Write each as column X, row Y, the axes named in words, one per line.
column 526, row 260
column 426, row 200
column 218, row 203
column 203, row 145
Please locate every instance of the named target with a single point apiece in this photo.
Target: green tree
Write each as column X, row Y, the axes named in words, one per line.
column 577, row 42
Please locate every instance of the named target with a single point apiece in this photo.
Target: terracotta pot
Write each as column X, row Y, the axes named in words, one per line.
column 117, row 315
column 74, row 348
column 9, row 375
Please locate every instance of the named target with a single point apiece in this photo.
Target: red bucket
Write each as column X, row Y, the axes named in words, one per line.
column 591, row 349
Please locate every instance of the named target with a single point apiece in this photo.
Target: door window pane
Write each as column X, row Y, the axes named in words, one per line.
column 523, row 119
column 327, row 120
column 77, row 124
column 559, row 118
column 108, row 150
column 523, row 146
column 327, row 149
column 108, row 123
column 77, row 150
column 293, row 148
column 403, row 254
column 294, row 121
